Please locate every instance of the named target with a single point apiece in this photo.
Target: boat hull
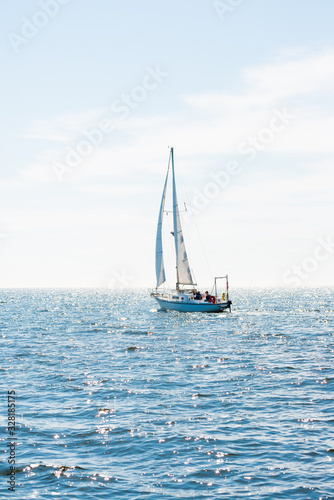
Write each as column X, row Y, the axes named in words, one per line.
column 169, row 305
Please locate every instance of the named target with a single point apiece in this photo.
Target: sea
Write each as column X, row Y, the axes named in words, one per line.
column 105, row 396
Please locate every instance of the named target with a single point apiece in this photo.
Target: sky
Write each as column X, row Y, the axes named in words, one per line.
column 93, row 95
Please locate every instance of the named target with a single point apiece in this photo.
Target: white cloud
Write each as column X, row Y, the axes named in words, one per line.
column 63, row 128
column 271, row 84
column 213, row 125
column 299, row 76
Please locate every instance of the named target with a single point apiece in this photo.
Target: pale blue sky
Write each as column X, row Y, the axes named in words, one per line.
column 227, row 77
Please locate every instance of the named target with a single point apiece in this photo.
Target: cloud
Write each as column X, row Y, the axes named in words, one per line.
column 270, row 84
column 303, row 76
column 118, row 190
column 63, row 128
column 211, row 125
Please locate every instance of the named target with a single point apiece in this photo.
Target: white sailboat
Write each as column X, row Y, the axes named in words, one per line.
column 185, row 297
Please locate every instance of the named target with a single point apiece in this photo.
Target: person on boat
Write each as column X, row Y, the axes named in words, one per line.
column 210, row 298
column 198, row 295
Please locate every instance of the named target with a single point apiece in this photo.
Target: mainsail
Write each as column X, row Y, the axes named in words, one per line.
column 184, row 276
column 159, row 256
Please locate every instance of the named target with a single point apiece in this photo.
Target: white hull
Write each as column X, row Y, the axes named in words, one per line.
column 190, row 306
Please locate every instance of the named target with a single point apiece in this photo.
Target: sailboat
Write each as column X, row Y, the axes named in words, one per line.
column 185, row 297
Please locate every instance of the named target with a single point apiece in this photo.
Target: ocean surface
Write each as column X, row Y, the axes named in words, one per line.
column 117, row 400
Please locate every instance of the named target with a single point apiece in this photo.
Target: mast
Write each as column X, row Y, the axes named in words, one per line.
column 175, row 213
column 183, row 273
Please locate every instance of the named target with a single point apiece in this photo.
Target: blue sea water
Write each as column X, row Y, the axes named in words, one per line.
column 115, row 399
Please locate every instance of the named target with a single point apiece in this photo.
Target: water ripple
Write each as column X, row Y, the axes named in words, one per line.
column 118, row 400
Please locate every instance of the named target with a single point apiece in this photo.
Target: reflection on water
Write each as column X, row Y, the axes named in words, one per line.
column 118, row 400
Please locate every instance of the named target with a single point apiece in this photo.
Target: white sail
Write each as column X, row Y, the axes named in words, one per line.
column 159, row 256
column 184, row 276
